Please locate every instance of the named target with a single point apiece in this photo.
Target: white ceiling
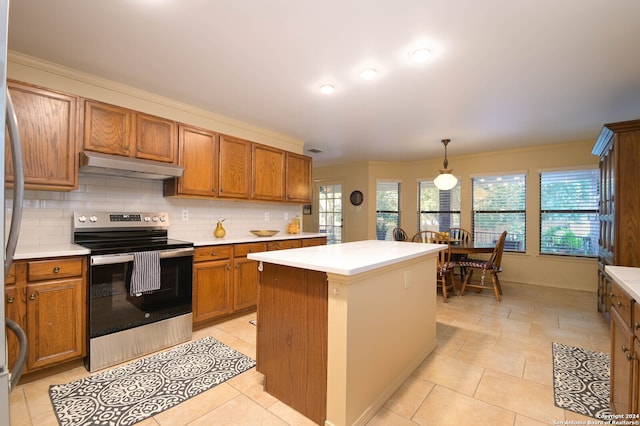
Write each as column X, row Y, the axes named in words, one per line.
column 503, row 73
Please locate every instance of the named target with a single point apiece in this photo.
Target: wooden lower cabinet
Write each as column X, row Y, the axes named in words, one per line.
column 625, row 351
column 226, row 282
column 48, row 300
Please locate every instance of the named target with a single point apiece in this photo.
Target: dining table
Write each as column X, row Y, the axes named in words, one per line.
column 471, row 247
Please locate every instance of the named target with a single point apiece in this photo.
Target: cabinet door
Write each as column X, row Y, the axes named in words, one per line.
column 268, row 173
column 298, row 178
column 621, row 365
column 245, row 283
column 211, row 290
column 15, row 309
column 56, row 317
column 108, row 128
column 48, row 126
column 155, row 138
column 235, row 168
column 198, row 155
column 311, row 242
column 636, row 377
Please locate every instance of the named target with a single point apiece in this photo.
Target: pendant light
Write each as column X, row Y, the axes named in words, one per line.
column 445, row 180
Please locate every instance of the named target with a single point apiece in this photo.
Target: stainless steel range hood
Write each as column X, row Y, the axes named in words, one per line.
column 115, row 165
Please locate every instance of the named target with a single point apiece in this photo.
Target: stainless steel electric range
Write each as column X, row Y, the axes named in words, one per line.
column 129, row 250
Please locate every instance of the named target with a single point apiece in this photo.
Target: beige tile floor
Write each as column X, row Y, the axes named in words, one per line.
column 492, row 366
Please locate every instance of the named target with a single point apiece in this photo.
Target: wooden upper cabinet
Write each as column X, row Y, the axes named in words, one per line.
column 108, row 128
column 197, row 153
column 155, row 138
column 298, row 178
column 268, row 173
column 111, row 129
column 48, row 127
column 235, row 168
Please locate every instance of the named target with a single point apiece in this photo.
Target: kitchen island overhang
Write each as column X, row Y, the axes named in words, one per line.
column 341, row 327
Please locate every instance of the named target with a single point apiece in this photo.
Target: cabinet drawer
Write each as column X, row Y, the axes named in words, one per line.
column 621, row 303
column 240, row 250
column 38, row 270
column 311, row 242
column 284, row 244
column 212, row 253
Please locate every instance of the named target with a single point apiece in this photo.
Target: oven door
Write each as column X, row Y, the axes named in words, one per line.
column 111, row 306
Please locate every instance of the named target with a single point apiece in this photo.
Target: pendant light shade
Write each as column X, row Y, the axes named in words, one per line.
column 445, row 180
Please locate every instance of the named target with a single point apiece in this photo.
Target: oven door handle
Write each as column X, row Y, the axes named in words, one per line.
column 110, row 259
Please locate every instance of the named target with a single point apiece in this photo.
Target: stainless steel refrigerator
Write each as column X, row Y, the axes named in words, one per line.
column 9, row 375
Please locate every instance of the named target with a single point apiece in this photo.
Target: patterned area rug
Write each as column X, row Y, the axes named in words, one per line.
column 581, row 380
column 148, row 386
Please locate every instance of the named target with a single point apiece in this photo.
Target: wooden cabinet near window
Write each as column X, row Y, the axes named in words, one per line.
column 268, row 178
column 618, row 147
column 111, row 129
column 298, row 178
column 48, row 127
column 48, row 301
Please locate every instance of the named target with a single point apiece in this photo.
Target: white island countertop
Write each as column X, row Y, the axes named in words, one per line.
column 626, row 277
column 348, row 258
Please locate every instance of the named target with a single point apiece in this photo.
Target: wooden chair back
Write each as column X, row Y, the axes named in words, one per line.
column 460, row 234
column 425, row 237
column 399, row 234
column 496, row 257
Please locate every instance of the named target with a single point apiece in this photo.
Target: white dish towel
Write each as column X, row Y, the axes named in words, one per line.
column 145, row 276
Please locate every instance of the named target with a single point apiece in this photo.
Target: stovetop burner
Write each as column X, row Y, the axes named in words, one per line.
column 107, row 232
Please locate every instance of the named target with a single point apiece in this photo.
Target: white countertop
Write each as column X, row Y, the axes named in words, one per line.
column 249, row 238
column 49, row 250
column 348, row 258
column 70, row 249
column 626, row 277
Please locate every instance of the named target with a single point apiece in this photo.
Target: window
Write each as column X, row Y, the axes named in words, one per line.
column 387, row 208
column 438, row 210
column 569, row 212
column 499, row 204
column 330, row 212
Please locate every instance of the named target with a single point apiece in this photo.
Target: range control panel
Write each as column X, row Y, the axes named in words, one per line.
column 114, row 220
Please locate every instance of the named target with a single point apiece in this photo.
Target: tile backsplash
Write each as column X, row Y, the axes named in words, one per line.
column 47, row 215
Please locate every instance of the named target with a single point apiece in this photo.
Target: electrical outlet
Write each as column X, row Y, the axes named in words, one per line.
column 266, row 216
column 286, row 216
column 185, row 215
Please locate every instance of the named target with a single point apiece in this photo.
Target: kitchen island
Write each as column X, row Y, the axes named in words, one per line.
column 341, row 327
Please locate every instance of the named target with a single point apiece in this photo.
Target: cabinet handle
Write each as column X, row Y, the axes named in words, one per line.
column 10, row 299
column 56, row 270
column 213, row 253
column 636, row 325
column 237, row 266
column 32, row 296
column 228, row 268
column 624, row 348
column 620, row 304
column 629, row 357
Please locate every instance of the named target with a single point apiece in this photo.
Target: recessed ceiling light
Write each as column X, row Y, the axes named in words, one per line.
column 368, row 74
column 327, row 89
column 420, row 55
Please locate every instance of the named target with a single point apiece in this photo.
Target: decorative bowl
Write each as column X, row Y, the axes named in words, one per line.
column 264, row 232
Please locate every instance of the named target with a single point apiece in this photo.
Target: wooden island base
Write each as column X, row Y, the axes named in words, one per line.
column 335, row 347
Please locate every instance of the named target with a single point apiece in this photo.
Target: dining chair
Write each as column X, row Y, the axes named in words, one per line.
column 425, row 237
column 491, row 266
column 399, row 234
column 445, row 279
column 460, row 236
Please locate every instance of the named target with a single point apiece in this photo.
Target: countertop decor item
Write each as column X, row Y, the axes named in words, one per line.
column 264, row 232
column 219, row 231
